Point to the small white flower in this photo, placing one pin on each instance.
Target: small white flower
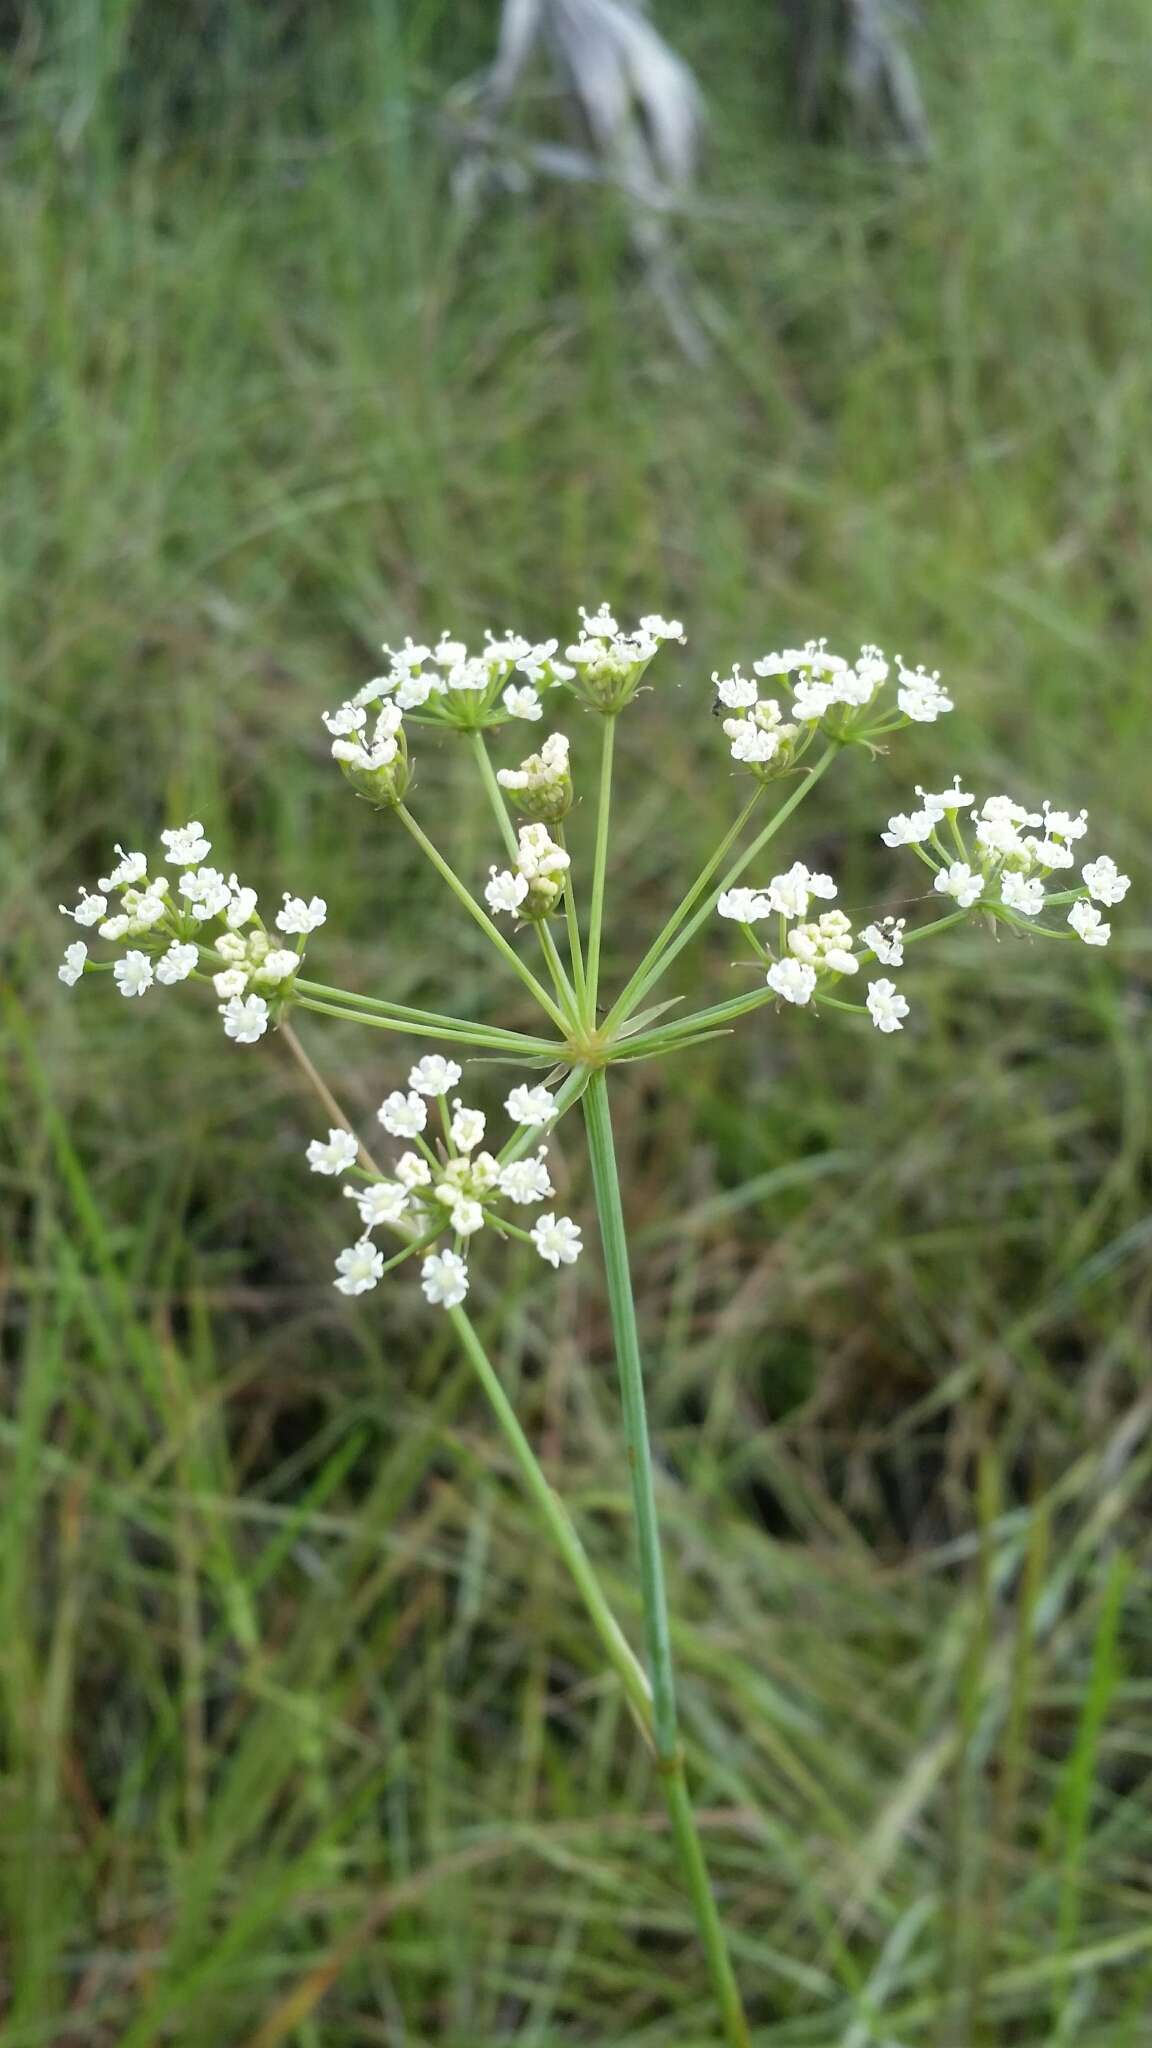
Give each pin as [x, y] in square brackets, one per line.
[1103, 879]
[505, 892]
[954, 799]
[886, 1006]
[276, 966]
[744, 906]
[345, 719]
[752, 743]
[403, 1116]
[415, 691]
[334, 1156]
[1000, 837]
[557, 1239]
[231, 947]
[1005, 810]
[133, 974]
[186, 844]
[72, 965]
[522, 701]
[1063, 824]
[147, 909]
[467, 1128]
[384, 1202]
[434, 1075]
[444, 1278]
[886, 940]
[177, 963]
[359, 1267]
[657, 628]
[958, 880]
[1088, 924]
[298, 916]
[909, 830]
[466, 1216]
[130, 868]
[1019, 892]
[245, 1018]
[789, 894]
[792, 979]
[241, 905]
[115, 927]
[88, 911]
[413, 1171]
[737, 692]
[232, 982]
[920, 696]
[531, 1106]
[207, 892]
[525, 1180]
[1051, 853]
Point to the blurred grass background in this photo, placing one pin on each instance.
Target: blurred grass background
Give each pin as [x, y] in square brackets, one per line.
[304, 1737]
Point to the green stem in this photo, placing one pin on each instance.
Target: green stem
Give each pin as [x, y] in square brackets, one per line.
[625, 1003]
[401, 1014]
[525, 1048]
[665, 1724]
[575, 949]
[778, 818]
[555, 1518]
[555, 965]
[480, 917]
[600, 864]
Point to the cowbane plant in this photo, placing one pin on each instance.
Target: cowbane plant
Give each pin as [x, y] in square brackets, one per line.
[451, 1189]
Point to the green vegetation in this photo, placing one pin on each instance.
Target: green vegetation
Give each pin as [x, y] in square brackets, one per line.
[306, 1739]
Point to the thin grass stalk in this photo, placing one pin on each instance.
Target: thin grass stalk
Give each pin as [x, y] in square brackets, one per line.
[661, 1671]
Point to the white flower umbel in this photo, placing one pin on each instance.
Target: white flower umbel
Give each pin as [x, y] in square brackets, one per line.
[886, 1006]
[185, 845]
[534, 889]
[444, 1278]
[299, 916]
[403, 1116]
[72, 965]
[133, 974]
[541, 788]
[531, 1106]
[830, 694]
[610, 664]
[794, 980]
[1104, 882]
[957, 880]
[245, 1018]
[1088, 924]
[335, 1155]
[359, 1267]
[557, 1239]
[434, 1075]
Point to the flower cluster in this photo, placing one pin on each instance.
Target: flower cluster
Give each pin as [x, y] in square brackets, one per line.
[609, 664]
[208, 925]
[447, 1186]
[541, 787]
[1003, 858]
[445, 685]
[372, 752]
[814, 953]
[829, 694]
[534, 888]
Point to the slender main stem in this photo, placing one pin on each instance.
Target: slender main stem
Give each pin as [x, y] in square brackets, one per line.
[464, 896]
[600, 864]
[665, 1723]
[540, 1491]
[555, 1518]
